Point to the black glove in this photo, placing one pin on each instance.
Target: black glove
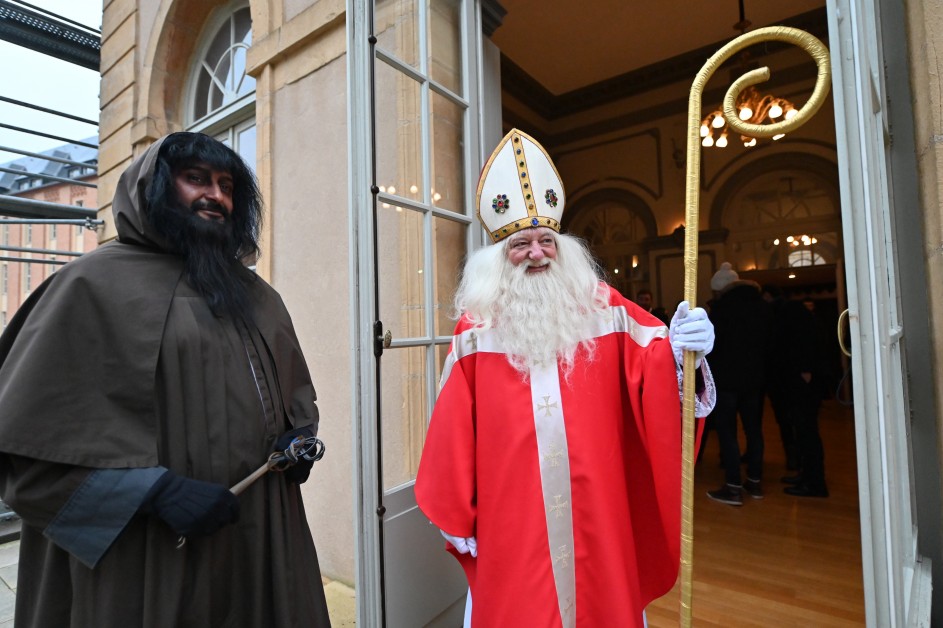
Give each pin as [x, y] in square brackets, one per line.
[297, 473]
[191, 508]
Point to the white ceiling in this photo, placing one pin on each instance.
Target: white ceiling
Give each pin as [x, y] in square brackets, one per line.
[568, 44]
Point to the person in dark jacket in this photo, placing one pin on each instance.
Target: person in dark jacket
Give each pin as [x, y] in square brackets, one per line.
[742, 322]
[646, 301]
[796, 381]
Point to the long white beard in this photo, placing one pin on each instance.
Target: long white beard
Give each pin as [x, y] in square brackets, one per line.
[538, 317]
[541, 321]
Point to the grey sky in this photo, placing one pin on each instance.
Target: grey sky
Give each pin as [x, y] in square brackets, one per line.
[48, 82]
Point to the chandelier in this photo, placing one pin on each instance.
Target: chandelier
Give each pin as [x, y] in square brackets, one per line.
[751, 106]
[800, 251]
[797, 240]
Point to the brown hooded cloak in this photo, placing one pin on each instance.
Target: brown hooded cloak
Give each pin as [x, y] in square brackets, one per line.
[115, 362]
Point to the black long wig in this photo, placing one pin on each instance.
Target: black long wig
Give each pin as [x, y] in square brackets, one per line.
[214, 253]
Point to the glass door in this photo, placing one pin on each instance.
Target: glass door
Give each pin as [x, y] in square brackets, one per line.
[425, 163]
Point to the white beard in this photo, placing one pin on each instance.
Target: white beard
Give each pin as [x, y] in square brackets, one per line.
[538, 317]
[540, 320]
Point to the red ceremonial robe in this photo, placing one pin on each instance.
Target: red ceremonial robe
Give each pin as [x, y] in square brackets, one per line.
[593, 546]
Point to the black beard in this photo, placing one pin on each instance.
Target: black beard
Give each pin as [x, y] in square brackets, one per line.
[209, 249]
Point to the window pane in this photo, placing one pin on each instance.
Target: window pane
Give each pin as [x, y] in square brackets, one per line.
[216, 98]
[242, 84]
[242, 26]
[221, 43]
[200, 107]
[399, 133]
[396, 24]
[448, 160]
[404, 413]
[445, 43]
[222, 72]
[401, 268]
[448, 249]
[245, 145]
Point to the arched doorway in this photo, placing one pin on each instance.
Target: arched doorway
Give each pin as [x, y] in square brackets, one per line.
[781, 212]
[782, 215]
[736, 553]
[615, 223]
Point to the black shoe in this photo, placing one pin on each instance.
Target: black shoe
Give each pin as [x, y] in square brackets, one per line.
[753, 489]
[804, 490]
[791, 479]
[727, 494]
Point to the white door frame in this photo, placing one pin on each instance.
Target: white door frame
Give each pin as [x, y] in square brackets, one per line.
[896, 579]
[363, 300]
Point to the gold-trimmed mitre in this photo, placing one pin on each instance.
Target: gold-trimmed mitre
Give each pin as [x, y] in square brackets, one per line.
[519, 188]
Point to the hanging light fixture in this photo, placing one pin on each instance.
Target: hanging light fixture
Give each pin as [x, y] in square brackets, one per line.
[752, 106]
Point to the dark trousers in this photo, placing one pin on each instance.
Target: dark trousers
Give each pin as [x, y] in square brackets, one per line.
[806, 400]
[750, 407]
[780, 400]
[796, 405]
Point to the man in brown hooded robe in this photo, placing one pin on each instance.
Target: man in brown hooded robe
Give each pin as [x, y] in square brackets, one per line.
[137, 384]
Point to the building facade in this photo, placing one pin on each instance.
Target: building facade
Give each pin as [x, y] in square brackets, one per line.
[51, 244]
[368, 121]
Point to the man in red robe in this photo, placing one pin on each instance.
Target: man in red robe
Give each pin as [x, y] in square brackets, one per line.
[552, 464]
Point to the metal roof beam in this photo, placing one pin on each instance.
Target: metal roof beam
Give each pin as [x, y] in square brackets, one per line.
[30, 208]
[35, 31]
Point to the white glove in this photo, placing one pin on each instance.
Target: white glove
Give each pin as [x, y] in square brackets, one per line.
[690, 330]
[464, 545]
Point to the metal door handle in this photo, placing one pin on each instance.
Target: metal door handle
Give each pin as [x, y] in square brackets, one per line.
[841, 333]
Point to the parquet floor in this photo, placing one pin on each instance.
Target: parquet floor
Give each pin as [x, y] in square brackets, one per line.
[783, 560]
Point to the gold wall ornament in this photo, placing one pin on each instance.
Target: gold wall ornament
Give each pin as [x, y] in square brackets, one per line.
[819, 53]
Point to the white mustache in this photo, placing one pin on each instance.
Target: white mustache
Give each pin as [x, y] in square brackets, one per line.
[529, 263]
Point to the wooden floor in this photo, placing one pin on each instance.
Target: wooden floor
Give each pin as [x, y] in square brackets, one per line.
[782, 560]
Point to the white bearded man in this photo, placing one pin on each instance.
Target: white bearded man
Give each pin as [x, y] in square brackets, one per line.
[552, 463]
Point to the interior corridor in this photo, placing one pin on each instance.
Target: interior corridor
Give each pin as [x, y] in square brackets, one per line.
[780, 561]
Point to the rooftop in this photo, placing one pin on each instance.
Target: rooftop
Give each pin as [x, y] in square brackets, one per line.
[36, 169]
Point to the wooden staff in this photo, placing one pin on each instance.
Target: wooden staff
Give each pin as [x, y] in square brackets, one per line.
[819, 53]
[310, 448]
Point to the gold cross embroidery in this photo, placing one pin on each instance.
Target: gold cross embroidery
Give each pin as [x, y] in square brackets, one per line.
[472, 340]
[547, 405]
[558, 506]
[562, 556]
[553, 455]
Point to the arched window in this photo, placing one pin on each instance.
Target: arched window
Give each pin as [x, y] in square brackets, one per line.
[781, 216]
[221, 96]
[805, 257]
